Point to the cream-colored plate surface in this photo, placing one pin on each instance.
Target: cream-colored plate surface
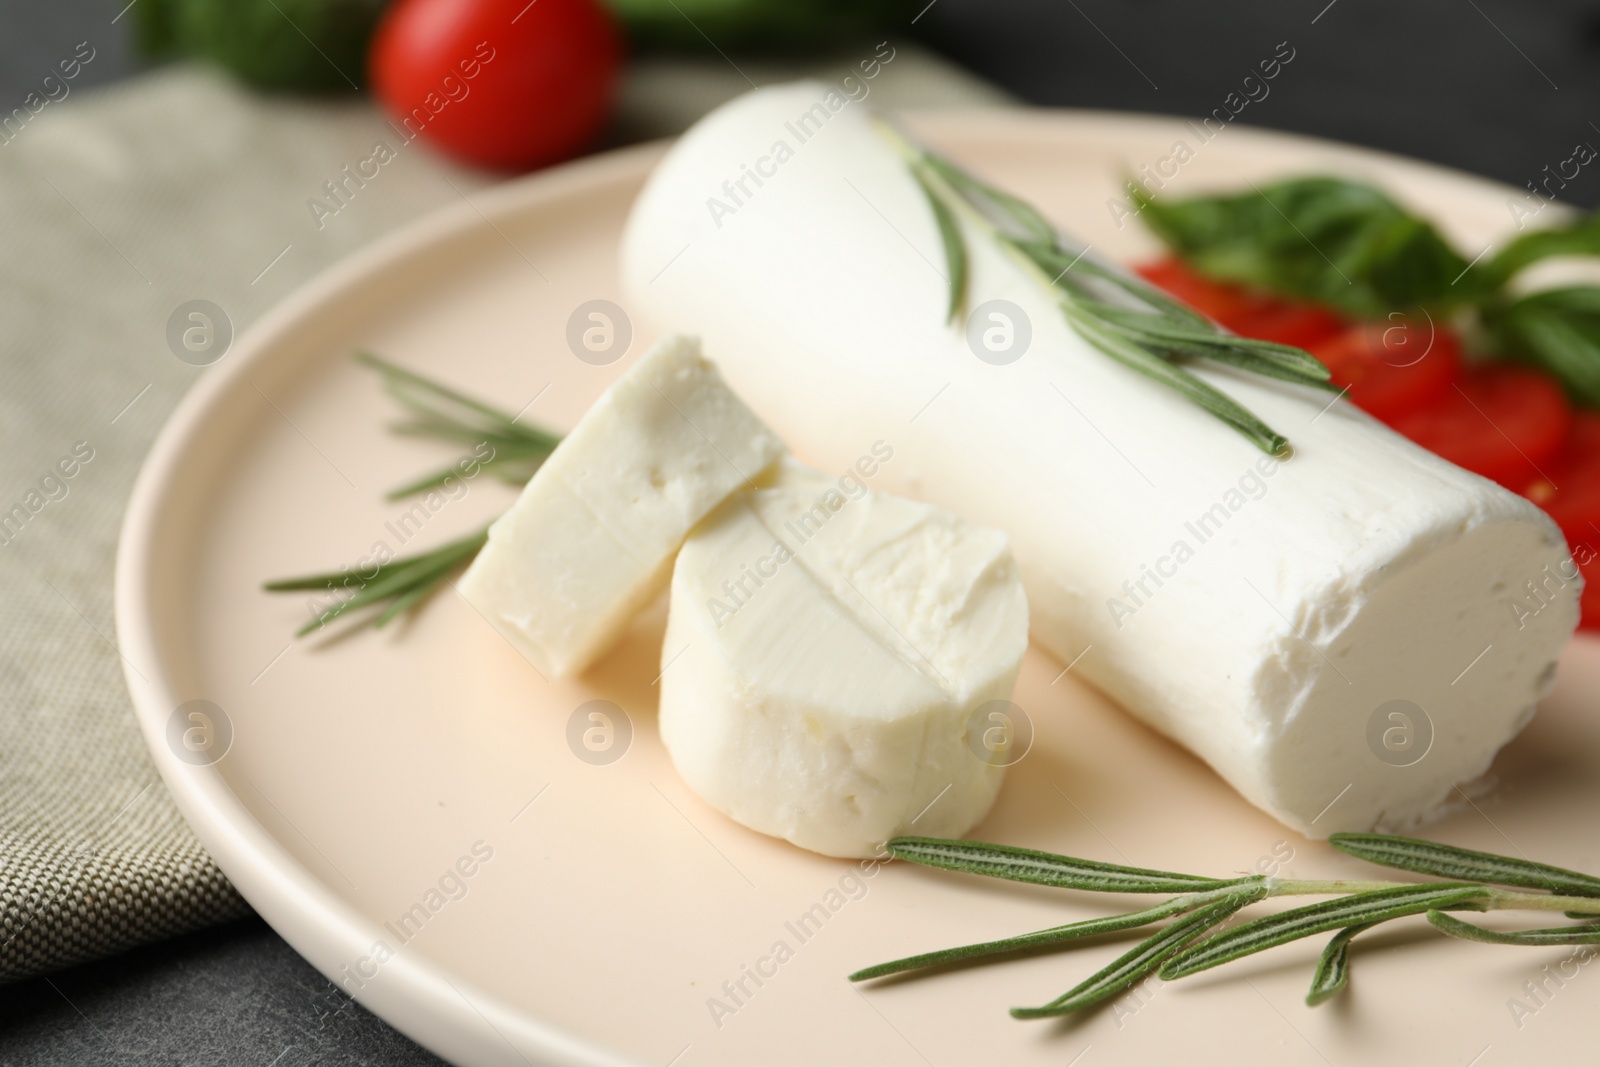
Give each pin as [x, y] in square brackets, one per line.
[613, 905]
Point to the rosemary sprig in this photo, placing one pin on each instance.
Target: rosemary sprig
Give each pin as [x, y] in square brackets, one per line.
[514, 451]
[1182, 947]
[1127, 319]
[500, 445]
[404, 582]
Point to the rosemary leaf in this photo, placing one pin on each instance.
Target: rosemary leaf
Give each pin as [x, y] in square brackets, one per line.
[1586, 934]
[1046, 868]
[405, 582]
[1208, 397]
[1205, 343]
[515, 450]
[1333, 969]
[1255, 363]
[1055, 935]
[423, 584]
[1021, 219]
[1142, 959]
[430, 398]
[1446, 861]
[1379, 905]
[955, 248]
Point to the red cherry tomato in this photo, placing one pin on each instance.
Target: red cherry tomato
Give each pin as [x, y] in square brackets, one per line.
[1301, 325]
[1392, 368]
[1225, 304]
[1569, 490]
[506, 84]
[1245, 313]
[1505, 423]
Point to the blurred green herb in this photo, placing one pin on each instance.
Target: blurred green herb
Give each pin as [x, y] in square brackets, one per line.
[1121, 315]
[1556, 329]
[514, 451]
[296, 45]
[756, 25]
[320, 46]
[499, 445]
[399, 584]
[1349, 246]
[1189, 944]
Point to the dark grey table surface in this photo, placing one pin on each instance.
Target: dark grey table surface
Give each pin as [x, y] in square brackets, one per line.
[1497, 87]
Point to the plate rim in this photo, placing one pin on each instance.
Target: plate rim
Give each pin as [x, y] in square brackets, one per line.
[423, 1000]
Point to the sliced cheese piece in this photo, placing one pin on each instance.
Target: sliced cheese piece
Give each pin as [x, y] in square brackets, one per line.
[591, 539]
[1266, 614]
[828, 652]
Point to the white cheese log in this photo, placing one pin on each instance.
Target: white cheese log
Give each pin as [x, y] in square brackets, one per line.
[830, 661]
[1263, 613]
[591, 539]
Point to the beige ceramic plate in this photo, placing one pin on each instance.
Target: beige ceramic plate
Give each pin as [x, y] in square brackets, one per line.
[606, 906]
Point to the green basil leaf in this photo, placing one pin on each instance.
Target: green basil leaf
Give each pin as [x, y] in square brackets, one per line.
[1341, 243]
[1578, 238]
[1558, 330]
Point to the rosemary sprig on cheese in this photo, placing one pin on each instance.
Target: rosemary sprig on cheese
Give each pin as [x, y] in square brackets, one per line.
[1127, 319]
[1191, 943]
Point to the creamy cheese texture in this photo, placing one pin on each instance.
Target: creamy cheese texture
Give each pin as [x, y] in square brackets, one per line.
[591, 539]
[1338, 634]
[834, 662]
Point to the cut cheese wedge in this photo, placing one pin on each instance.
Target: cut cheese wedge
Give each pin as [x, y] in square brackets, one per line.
[1275, 617]
[591, 539]
[829, 653]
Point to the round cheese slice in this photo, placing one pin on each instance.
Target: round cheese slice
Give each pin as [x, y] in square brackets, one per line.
[834, 661]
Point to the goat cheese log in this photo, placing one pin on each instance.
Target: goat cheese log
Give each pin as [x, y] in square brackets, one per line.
[1343, 635]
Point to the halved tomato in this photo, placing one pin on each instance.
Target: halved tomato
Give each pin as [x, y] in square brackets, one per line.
[1392, 368]
[1507, 423]
[1248, 314]
[1302, 325]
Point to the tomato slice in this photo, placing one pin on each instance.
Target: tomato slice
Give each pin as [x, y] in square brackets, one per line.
[1392, 368]
[1236, 307]
[1225, 304]
[1301, 325]
[1569, 491]
[1503, 422]
[1246, 313]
